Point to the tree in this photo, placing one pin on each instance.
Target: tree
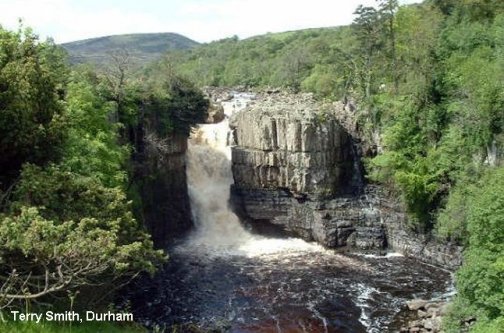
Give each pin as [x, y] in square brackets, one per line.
[479, 281]
[387, 10]
[32, 123]
[118, 86]
[65, 222]
[64, 231]
[171, 104]
[368, 29]
[293, 66]
[93, 145]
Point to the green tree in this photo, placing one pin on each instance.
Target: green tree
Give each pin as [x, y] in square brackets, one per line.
[92, 147]
[32, 123]
[171, 104]
[387, 10]
[64, 231]
[368, 30]
[479, 281]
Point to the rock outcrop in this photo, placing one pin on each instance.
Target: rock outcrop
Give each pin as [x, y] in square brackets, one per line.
[296, 166]
[426, 315]
[290, 144]
[162, 185]
[401, 238]
[215, 98]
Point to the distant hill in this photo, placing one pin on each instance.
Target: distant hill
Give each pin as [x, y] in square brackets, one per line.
[142, 48]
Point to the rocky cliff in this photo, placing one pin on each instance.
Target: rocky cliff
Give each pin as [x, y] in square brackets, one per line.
[289, 144]
[162, 185]
[296, 167]
[159, 181]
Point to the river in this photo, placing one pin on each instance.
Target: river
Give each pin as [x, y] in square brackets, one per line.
[224, 277]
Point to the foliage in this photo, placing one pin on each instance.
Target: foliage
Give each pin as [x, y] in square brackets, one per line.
[479, 281]
[31, 113]
[171, 103]
[65, 222]
[453, 115]
[64, 231]
[65, 195]
[452, 220]
[285, 59]
[92, 147]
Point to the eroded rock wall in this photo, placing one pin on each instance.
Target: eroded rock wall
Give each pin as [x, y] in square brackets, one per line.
[401, 238]
[293, 146]
[296, 166]
[162, 185]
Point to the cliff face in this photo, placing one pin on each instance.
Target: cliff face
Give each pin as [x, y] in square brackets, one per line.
[289, 144]
[162, 185]
[296, 168]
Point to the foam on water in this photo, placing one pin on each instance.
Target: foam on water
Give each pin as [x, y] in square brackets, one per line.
[387, 255]
[218, 230]
[261, 246]
[364, 294]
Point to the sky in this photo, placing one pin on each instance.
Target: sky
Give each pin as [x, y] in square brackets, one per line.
[200, 20]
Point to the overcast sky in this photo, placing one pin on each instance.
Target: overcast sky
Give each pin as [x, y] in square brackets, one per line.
[201, 20]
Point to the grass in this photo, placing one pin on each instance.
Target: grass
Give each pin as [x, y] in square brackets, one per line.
[88, 327]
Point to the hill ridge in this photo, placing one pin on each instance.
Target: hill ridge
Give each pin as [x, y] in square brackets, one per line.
[143, 47]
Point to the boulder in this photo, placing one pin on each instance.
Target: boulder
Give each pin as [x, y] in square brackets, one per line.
[416, 304]
[215, 113]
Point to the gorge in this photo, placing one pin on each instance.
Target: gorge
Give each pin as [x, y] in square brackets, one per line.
[351, 181]
[294, 177]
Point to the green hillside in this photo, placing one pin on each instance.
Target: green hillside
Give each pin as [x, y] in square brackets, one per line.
[428, 82]
[141, 48]
[276, 59]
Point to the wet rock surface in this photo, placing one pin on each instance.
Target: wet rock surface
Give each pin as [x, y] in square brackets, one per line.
[162, 183]
[426, 315]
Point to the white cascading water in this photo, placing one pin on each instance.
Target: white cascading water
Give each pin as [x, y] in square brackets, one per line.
[218, 229]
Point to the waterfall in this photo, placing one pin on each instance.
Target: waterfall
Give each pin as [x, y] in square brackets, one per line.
[224, 274]
[209, 179]
[218, 229]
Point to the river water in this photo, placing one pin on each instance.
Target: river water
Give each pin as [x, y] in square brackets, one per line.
[223, 277]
